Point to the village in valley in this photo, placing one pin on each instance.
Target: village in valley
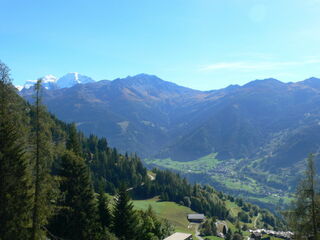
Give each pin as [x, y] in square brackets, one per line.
[234, 176]
[195, 221]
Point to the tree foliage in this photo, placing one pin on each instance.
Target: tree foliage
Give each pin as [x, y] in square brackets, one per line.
[208, 228]
[171, 187]
[77, 216]
[15, 174]
[304, 218]
[124, 217]
[42, 160]
[104, 211]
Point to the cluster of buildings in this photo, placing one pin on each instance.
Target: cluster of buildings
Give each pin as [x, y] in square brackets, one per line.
[257, 234]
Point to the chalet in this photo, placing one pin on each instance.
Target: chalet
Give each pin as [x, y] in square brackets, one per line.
[198, 218]
[179, 236]
[222, 228]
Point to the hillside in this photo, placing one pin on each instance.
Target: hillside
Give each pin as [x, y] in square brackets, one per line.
[177, 215]
[135, 113]
[174, 213]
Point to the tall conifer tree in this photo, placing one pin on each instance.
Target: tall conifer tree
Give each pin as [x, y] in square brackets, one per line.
[104, 211]
[15, 199]
[43, 184]
[303, 218]
[124, 217]
[73, 142]
[78, 215]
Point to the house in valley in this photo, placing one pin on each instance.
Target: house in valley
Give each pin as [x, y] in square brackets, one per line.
[197, 218]
[222, 228]
[179, 236]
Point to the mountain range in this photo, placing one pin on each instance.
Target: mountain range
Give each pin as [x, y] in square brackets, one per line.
[267, 125]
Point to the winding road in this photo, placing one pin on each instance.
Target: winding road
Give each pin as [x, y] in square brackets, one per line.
[255, 221]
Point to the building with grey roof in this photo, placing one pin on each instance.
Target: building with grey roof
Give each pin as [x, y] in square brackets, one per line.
[196, 217]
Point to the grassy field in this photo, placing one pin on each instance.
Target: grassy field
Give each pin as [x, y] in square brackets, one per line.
[248, 184]
[174, 213]
[177, 214]
[234, 210]
[200, 165]
[271, 238]
[213, 238]
[233, 207]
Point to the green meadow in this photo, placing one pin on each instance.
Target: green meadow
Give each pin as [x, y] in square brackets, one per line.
[200, 165]
[174, 213]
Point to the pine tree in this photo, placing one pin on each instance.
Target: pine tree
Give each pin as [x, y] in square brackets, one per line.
[15, 200]
[229, 235]
[104, 211]
[43, 184]
[73, 142]
[124, 219]
[303, 216]
[77, 217]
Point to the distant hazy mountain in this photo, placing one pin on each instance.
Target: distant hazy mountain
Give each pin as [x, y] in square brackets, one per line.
[264, 118]
[51, 82]
[279, 122]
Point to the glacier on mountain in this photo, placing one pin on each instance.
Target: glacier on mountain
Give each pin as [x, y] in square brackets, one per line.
[51, 82]
[72, 79]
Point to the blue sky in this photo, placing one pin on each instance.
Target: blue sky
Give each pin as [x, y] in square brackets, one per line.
[202, 44]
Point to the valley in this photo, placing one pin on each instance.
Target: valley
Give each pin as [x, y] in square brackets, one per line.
[234, 177]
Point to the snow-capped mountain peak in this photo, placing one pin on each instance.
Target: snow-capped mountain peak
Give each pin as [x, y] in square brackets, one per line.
[19, 87]
[48, 82]
[29, 84]
[66, 81]
[49, 78]
[72, 79]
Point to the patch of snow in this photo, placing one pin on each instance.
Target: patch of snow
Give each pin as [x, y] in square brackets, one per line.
[19, 87]
[123, 125]
[51, 82]
[72, 79]
[29, 84]
[49, 78]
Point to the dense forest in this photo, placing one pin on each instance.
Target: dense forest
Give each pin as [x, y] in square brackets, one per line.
[54, 181]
